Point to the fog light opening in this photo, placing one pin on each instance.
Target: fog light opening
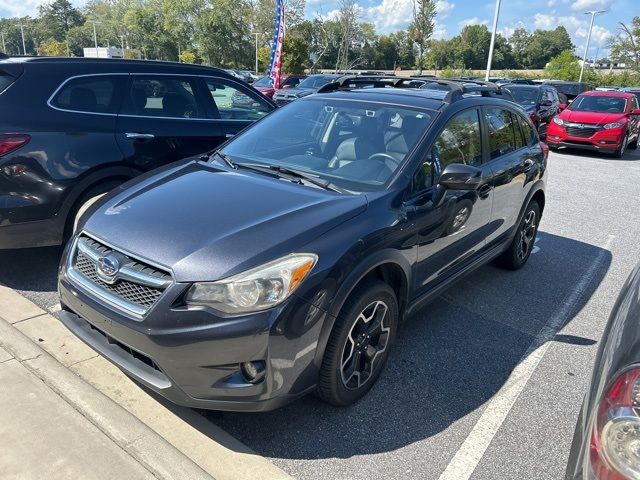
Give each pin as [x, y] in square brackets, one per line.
[253, 372]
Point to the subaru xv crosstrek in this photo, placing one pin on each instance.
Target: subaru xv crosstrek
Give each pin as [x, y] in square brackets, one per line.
[283, 264]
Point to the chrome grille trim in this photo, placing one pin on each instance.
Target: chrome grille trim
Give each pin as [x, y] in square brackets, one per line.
[136, 288]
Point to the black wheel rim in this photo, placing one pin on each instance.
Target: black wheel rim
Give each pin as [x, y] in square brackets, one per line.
[527, 234]
[365, 344]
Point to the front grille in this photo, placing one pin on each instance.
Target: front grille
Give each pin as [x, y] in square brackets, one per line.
[584, 132]
[142, 286]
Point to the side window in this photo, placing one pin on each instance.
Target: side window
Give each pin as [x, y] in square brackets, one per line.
[93, 94]
[550, 96]
[501, 132]
[163, 96]
[527, 130]
[634, 103]
[521, 135]
[234, 103]
[293, 81]
[459, 141]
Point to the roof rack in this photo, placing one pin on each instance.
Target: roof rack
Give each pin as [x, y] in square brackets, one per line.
[455, 88]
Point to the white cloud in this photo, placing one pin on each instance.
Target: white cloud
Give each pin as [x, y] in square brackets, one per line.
[580, 5]
[390, 15]
[551, 3]
[444, 8]
[19, 8]
[472, 21]
[547, 22]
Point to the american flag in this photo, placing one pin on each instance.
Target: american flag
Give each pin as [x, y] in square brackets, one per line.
[275, 64]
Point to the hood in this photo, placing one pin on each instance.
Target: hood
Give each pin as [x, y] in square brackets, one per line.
[206, 223]
[296, 92]
[599, 118]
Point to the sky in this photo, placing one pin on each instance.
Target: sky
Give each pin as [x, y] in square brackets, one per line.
[392, 15]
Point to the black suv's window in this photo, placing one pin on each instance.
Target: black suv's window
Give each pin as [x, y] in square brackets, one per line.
[233, 103]
[92, 94]
[459, 141]
[163, 96]
[501, 132]
[527, 130]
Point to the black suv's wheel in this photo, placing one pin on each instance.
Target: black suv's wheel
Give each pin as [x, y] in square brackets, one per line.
[634, 145]
[359, 344]
[518, 252]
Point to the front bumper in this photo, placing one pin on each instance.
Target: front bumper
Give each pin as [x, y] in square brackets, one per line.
[192, 356]
[602, 140]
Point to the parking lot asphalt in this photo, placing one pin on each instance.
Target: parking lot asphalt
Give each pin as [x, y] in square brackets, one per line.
[485, 382]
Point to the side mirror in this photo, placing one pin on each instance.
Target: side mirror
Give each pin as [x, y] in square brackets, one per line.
[635, 111]
[457, 176]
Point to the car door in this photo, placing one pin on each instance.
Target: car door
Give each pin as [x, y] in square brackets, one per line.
[634, 120]
[513, 161]
[451, 226]
[234, 105]
[548, 107]
[163, 119]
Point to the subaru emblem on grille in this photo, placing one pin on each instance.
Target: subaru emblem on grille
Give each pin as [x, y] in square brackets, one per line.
[108, 268]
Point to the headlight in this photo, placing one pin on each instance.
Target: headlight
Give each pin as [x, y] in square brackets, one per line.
[257, 289]
[609, 126]
[558, 121]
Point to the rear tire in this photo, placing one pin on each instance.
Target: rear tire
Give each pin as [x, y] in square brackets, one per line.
[359, 344]
[521, 246]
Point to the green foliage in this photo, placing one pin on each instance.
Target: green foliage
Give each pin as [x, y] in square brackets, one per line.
[187, 56]
[57, 18]
[53, 48]
[296, 54]
[421, 28]
[563, 67]
[625, 46]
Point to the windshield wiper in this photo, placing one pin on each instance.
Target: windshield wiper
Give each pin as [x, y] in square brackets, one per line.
[285, 172]
[223, 156]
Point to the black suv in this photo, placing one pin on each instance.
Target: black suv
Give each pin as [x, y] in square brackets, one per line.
[284, 263]
[73, 129]
[541, 102]
[567, 91]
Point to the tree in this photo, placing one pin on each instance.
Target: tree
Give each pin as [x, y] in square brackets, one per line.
[563, 67]
[187, 56]
[223, 33]
[519, 40]
[57, 18]
[421, 28]
[348, 14]
[543, 45]
[295, 54]
[53, 48]
[625, 46]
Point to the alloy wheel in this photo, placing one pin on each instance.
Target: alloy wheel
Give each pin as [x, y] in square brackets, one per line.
[527, 234]
[460, 218]
[367, 340]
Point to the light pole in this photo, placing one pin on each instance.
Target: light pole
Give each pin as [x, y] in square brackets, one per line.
[95, 36]
[593, 14]
[257, 35]
[24, 48]
[493, 40]
[4, 47]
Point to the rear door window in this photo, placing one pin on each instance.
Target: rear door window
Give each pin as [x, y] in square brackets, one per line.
[501, 132]
[163, 96]
[90, 94]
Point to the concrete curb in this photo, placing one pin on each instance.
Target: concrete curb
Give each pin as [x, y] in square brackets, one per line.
[148, 448]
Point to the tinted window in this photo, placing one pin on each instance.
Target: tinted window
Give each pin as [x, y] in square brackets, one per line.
[263, 82]
[293, 81]
[459, 141]
[317, 81]
[163, 96]
[232, 103]
[527, 130]
[520, 133]
[93, 94]
[550, 96]
[524, 96]
[501, 132]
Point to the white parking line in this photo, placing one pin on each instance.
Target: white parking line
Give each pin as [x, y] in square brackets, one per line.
[466, 459]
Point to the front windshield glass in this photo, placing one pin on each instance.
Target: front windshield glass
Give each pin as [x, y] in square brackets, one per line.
[587, 103]
[316, 81]
[524, 96]
[354, 145]
[263, 82]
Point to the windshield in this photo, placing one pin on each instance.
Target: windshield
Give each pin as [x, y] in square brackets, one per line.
[572, 89]
[354, 145]
[587, 103]
[524, 96]
[316, 81]
[263, 82]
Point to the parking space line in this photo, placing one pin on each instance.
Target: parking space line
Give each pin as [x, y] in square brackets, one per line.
[466, 459]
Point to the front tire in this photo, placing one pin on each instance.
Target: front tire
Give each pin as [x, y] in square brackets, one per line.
[521, 246]
[619, 153]
[359, 344]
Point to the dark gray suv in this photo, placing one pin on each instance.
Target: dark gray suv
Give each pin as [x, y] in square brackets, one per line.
[283, 263]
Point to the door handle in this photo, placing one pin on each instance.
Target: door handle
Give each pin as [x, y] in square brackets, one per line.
[527, 165]
[139, 136]
[485, 190]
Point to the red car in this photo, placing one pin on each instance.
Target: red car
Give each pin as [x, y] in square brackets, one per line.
[265, 84]
[603, 121]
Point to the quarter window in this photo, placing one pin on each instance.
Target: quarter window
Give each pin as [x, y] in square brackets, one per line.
[233, 103]
[501, 132]
[93, 94]
[163, 96]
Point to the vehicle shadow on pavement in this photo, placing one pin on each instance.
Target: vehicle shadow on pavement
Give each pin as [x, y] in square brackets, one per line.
[629, 156]
[448, 360]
